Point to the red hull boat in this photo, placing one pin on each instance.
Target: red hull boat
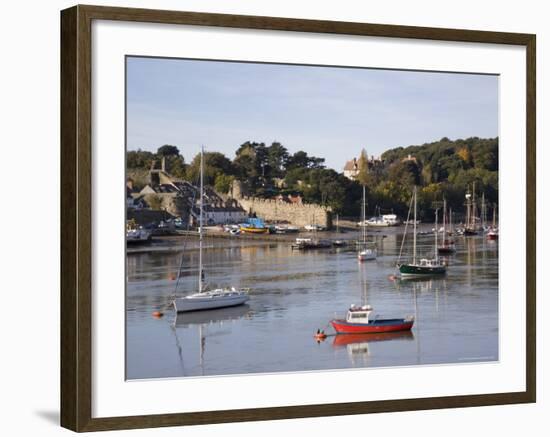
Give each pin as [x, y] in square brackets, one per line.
[377, 326]
[357, 322]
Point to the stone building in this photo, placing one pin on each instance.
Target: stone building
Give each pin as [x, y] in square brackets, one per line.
[352, 167]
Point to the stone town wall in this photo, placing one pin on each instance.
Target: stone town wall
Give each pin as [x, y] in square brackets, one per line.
[296, 214]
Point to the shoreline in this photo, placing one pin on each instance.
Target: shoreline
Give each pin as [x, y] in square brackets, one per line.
[174, 242]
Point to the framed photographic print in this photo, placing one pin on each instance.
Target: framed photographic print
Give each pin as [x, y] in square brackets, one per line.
[268, 218]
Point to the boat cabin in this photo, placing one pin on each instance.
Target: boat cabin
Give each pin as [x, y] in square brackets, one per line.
[430, 263]
[359, 314]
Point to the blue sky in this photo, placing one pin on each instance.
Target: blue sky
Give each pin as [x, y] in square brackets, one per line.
[327, 112]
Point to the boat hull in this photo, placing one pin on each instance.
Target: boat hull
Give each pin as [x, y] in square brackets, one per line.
[254, 230]
[446, 250]
[412, 270]
[366, 256]
[184, 304]
[376, 327]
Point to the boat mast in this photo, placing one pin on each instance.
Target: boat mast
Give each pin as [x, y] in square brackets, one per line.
[200, 219]
[436, 232]
[483, 210]
[363, 213]
[468, 201]
[444, 219]
[474, 207]
[414, 228]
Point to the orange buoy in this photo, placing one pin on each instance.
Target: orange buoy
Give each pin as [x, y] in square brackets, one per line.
[320, 335]
[157, 314]
[172, 277]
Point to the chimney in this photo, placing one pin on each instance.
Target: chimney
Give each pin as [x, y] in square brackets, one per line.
[154, 178]
[163, 164]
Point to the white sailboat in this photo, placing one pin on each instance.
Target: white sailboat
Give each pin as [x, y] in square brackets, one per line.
[366, 253]
[205, 298]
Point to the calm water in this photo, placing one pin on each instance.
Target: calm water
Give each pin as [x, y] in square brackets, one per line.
[293, 294]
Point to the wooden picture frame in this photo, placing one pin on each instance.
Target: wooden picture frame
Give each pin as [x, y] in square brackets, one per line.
[76, 218]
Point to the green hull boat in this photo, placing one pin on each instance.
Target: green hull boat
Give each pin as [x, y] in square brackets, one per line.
[421, 270]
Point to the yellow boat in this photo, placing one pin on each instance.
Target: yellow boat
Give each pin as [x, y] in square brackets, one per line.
[254, 230]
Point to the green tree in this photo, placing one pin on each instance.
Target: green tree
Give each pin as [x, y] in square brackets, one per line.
[215, 163]
[139, 159]
[301, 159]
[363, 167]
[168, 150]
[277, 157]
[406, 173]
[223, 183]
[175, 165]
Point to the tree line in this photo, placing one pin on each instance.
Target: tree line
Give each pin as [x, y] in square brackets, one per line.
[441, 169]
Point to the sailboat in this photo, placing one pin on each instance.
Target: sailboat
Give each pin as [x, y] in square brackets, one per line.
[424, 267]
[205, 298]
[366, 253]
[470, 227]
[448, 245]
[493, 231]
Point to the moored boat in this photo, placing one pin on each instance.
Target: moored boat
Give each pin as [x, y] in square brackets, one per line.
[365, 253]
[211, 299]
[254, 227]
[314, 228]
[381, 221]
[447, 248]
[339, 243]
[136, 234]
[448, 245]
[493, 230]
[309, 243]
[205, 298]
[358, 321]
[286, 229]
[426, 267]
[471, 226]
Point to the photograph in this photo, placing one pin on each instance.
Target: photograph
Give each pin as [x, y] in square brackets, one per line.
[299, 218]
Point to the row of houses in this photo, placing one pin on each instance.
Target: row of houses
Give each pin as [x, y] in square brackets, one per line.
[181, 199]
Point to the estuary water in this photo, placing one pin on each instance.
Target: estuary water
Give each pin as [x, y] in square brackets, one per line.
[294, 293]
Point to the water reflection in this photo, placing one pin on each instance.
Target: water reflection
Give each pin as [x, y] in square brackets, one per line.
[185, 320]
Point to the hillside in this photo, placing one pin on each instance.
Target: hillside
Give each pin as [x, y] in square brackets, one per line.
[441, 169]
